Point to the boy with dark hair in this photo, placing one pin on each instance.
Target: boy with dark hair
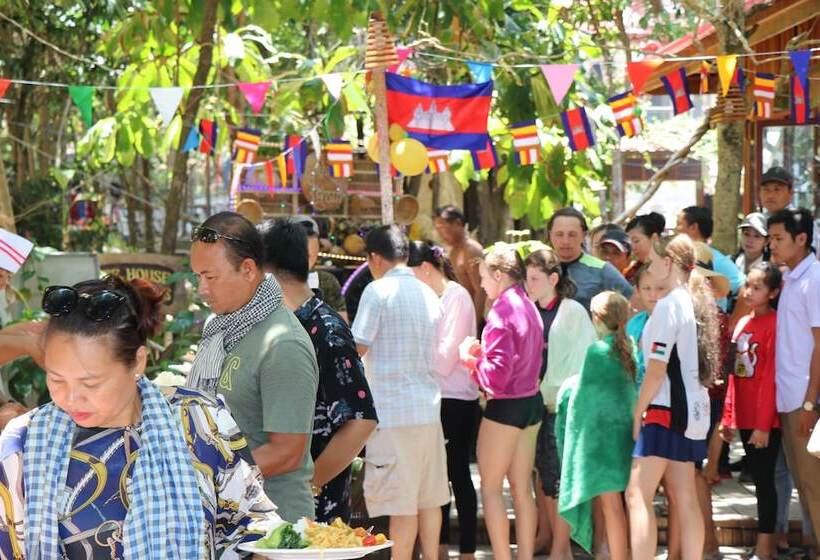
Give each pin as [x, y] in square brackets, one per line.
[464, 253]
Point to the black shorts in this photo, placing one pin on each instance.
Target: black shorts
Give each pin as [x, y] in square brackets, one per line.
[521, 413]
[546, 457]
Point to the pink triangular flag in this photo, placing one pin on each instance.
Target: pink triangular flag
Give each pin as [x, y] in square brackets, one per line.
[403, 53]
[4, 85]
[255, 93]
[560, 78]
[334, 84]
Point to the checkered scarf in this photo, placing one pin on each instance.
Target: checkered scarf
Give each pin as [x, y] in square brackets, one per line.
[223, 332]
[165, 519]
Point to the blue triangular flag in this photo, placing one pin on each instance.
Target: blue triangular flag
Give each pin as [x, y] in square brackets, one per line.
[192, 142]
[480, 71]
[800, 61]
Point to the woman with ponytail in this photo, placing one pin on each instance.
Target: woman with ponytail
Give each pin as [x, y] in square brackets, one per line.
[594, 428]
[113, 467]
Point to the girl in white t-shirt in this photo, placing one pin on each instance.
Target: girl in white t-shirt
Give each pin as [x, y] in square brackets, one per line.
[671, 417]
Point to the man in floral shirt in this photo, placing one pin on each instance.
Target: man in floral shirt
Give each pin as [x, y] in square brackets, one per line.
[345, 415]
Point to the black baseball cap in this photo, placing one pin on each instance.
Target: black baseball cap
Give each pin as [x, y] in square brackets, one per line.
[777, 174]
[619, 239]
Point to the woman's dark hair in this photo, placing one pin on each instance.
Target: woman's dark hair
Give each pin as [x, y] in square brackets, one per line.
[246, 243]
[648, 224]
[795, 221]
[389, 242]
[701, 216]
[568, 212]
[547, 262]
[286, 247]
[426, 252]
[129, 326]
[772, 277]
[451, 214]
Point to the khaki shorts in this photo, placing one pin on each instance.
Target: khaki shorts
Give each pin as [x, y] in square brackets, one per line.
[405, 470]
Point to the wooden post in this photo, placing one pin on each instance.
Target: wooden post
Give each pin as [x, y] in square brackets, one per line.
[385, 177]
[618, 192]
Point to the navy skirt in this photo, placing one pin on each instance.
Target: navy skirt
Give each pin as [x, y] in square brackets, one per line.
[655, 440]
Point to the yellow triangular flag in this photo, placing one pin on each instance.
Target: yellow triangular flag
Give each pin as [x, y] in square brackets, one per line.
[283, 169]
[726, 65]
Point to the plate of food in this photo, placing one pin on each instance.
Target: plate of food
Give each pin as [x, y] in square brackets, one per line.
[318, 541]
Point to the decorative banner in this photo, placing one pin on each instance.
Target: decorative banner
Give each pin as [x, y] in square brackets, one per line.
[339, 158]
[704, 77]
[438, 161]
[82, 96]
[480, 71]
[334, 84]
[800, 101]
[726, 65]
[295, 155]
[800, 61]
[628, 121]
[486, 158]
[166, 100]
[403, 53]
[739, 79]
[14, 250]
[678, 89]
[578, 129]
[763, 94]
[283, 169]
[246, 144]
[192, 142]
[447, 117]
[559, 77]
[207, 130]
[526, 143]
[255, 93]
[4, 85]
[639, 72]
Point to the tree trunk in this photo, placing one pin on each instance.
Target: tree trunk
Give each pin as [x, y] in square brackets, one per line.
[730, 140]
[6, 209]
[129, 189]
[143, 174]
[495, 214]
[180, 171]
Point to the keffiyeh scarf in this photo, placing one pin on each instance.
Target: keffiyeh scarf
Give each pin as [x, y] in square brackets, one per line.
[165, 518]
[223, 332]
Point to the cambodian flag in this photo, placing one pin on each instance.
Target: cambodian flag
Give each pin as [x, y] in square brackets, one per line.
[486, 158]
[578, 129]
[677, 87]
[801, 112]
[444, 117]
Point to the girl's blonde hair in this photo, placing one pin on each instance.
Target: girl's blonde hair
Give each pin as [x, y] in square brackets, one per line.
[612, 309]
[504, 258]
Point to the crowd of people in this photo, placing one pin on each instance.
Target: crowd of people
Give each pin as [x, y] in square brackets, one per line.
[587, 381]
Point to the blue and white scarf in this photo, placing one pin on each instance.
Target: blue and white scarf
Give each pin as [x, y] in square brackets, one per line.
[165, 519]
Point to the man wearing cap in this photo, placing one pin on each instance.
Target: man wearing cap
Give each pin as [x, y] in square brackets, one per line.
[329, 288]
[776, 193]
[753, 240]
[616, 249]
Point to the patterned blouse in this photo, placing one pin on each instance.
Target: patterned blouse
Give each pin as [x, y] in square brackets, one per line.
[343, 395]
[99, 476]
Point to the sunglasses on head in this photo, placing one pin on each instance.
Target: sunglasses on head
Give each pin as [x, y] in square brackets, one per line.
[100, 306]
[210, 235]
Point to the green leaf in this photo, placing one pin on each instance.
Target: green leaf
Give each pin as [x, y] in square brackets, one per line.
[464, 172]
[355, 97]
[339, 55]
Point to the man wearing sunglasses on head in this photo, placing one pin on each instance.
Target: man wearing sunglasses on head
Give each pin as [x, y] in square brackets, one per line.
[256, 354]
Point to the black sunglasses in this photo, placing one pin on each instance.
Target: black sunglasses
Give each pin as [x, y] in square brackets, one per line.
[100, 306]
[210, 235]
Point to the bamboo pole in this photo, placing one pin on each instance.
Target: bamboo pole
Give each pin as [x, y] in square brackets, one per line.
[385, 180]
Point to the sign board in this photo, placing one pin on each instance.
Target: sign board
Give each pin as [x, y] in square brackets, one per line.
[147, 266]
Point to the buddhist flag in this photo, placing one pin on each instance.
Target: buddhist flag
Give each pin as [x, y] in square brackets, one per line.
[246, 144]
[438, 161]
[526, 143]
[800, 101]
[207, 133]
[486, 158]
[339, 158]
[763, 94]
[704, 77]
[677, 87]
[578, 129]
[628, 121]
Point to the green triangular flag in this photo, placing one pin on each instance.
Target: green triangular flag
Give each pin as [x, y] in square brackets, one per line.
[82, 96]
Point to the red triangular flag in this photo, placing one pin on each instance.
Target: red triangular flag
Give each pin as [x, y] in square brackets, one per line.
[4, 85]
[639, 72]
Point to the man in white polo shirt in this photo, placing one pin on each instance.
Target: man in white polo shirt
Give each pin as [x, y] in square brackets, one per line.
[797, 355]
[405, 459]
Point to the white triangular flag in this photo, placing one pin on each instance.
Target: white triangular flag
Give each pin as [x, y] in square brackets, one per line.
[334, 83]
[13, 251]
[166, 100]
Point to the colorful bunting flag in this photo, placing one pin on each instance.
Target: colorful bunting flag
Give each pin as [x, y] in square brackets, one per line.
[269, 176]
[438, 161]
[726, 66]
[480, 71]
[167, 101]
[295, 154]
[4, 85]
[255, 93]
[334, 83]
[207, 131]
[83, 96]
[800, 61]
[639, 72]
[800, 108]
[526, 143]
[486, 158]
[578, 129]
[246, 144]
[192, 141]
[624, 106]
[559, 78]
[283, 169]
[677, 87]
[763, 94]
[403, 53]
[739, 79]
[704, 77]
[339, 158]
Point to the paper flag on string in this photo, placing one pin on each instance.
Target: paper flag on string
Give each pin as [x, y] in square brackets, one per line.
[704, 77]
[166, 100]
[526, 143]
[339, 158]
[207, 131]
[739, 79]
[800, 109]
[639, 72]
[579, 131]
[246, 144]
[14, 250]
[486, 158]
[334, 83]
[438, 161]
[800, 61]
[83, 96]
[560, 78]
[254, 93]
[403, 53]
[624, 106]
[480, 71]
[4, 85]
[726, 65]
[763, 94]
[269, 176]
[677, 87]
[192, 142]
[283, 169]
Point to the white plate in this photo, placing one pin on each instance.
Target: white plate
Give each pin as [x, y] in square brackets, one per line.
[314, 553]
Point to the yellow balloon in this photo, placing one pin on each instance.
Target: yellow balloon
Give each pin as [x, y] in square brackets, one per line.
[373, 148]
[396, 132]
[409, 156]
